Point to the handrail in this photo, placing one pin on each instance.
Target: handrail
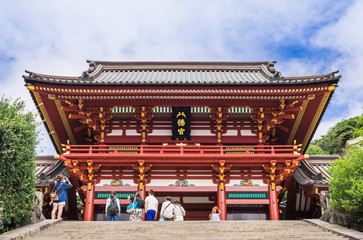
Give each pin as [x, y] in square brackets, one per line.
[180, 150]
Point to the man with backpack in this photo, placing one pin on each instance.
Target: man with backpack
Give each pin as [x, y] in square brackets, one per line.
[113, 209]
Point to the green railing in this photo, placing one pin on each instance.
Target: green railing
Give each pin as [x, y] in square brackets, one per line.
[123, 148]
[239, 148]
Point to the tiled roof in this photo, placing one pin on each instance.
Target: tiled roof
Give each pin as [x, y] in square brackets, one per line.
[49, 167]
[179, 73]
[313, 170]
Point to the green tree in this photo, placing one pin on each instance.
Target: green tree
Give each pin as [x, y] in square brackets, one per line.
[18, 139]
[333, 142]
[347, 180]
[315, 150]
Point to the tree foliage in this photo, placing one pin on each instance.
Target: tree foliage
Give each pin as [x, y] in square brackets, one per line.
[347, 180]
[333, 142]
[18, 139]
[315, 150]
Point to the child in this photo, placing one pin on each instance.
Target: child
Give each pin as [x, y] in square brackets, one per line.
[215, 214]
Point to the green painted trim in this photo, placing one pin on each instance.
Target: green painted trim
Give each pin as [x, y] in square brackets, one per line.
[120, 195]
[247, 195]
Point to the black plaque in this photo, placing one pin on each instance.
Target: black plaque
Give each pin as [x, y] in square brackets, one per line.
[181, 123]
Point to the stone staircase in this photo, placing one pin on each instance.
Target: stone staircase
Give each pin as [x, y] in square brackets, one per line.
[247, 230]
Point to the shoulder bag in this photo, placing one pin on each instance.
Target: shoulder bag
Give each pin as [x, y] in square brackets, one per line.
[164, 210]
[54, 196]
[132, 207]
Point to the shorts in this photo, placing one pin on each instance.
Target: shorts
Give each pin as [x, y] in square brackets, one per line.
[59, 203]
[150, 215]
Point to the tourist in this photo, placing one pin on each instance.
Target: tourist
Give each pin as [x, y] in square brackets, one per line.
[215, 214]
[151, 206]
[113, 209]
[167, 210]
[138, 213]
[60, 188]
[179, 211]
[133, 210]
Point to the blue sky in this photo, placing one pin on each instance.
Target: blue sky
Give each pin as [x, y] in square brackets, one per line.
[305, 37]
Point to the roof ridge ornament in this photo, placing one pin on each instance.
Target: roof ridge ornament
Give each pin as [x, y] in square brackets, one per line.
[31, 74]
[332, 74]
[277, 76]
[85, 76]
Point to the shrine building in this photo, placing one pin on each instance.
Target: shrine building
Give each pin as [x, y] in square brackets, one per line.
[231, 134]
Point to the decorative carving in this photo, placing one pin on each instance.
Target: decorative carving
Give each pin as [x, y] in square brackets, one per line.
[246, 183]
[116, 183]
[182, 183]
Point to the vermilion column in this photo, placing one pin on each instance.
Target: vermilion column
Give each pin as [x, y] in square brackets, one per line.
[141, 188]
[221, 198]
[273, 203]
[89, 206]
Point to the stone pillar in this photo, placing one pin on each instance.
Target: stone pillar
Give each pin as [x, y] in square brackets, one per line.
[221, 198]
[273, 203]
[89, 206]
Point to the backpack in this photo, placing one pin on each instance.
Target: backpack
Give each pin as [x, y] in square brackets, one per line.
[140, 203]
[113, 208]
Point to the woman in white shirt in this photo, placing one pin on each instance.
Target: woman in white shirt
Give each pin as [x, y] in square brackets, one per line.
[179, 211]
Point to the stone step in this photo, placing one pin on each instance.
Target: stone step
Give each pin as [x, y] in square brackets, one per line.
[201, 230]
[196, 238]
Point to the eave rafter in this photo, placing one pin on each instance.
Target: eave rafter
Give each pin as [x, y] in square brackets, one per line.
[272, 118]
[94, 119]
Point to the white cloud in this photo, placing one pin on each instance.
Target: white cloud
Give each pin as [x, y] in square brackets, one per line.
[56, 37]
[345, 37]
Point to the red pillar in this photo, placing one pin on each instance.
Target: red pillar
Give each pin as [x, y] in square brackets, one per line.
[142, 189]
[221, 198]
[273, 203]
[89, 206]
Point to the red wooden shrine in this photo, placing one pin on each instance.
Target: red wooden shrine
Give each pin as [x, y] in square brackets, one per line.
[232, 120]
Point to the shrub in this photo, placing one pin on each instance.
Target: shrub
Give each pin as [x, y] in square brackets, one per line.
[18, 139]
[347, 180]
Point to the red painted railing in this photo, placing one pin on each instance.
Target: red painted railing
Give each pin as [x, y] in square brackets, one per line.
[174, 150]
